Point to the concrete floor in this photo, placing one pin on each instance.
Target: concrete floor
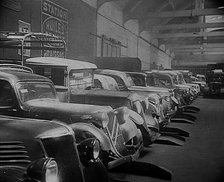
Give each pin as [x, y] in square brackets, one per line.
[201, 158]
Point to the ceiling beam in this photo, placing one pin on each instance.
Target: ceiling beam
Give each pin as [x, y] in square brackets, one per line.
[192, 34]
[200, 53]
[185, 13]
[146, 23]
[183, 41]
[200, 50]
[195, 46]
[188, 26]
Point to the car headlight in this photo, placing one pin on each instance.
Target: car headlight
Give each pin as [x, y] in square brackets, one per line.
[89, 149]
[45, 169]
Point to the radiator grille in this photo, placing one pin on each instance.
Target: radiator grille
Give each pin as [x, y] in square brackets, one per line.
[13, 152]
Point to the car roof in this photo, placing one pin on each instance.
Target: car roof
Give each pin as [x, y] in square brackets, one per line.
[17, 76]
[112, 72]
[53, 61]
[136, 73]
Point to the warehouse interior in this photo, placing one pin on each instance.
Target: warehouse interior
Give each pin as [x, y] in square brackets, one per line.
[137, 36]
[163, 33]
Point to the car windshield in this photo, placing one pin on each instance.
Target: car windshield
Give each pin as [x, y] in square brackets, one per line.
[175, 79]
[162, 81]
[201, 79]
[80, 80]
[138, 79]
[35, 90]
[130, 81]
[181, 78]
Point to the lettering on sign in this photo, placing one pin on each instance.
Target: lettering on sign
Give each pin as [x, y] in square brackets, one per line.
[54, 20]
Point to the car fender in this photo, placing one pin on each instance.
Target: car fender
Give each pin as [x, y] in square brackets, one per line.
[12, 173]
[99, 134]
[127, 119]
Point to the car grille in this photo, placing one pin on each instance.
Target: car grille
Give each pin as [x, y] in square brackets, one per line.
[13, 152]
[63, 150]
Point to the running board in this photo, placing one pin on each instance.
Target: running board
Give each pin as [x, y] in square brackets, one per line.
[181, 120]
[169, 140]
[142, 169]
[177, 131]
[185, 115]
[190, 108]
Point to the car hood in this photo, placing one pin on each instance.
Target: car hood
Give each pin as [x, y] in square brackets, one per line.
[150, 89]
[200, 83]
[183, 86]
[66, 112]
[109, 93]
[26, 129]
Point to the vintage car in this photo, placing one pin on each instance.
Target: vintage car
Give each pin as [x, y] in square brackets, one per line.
[215, 82]
[188, 93]
[46, 151]
[77, 77]
[78, 80]
[140, 79]
[126, 83]
[150, 111]
[182, 77]
[157, 104]
[25, 94]
[105, 82]
[200, 80]
[169, 80]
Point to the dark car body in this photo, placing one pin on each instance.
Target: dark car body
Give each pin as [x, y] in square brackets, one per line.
[126, 83]
[141, 79]
[79, 81]
[26, 145]
[34, 96]
[166, 79]
[215, 82]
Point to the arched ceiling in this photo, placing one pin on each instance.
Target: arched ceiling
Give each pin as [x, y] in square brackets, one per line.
[180, 25]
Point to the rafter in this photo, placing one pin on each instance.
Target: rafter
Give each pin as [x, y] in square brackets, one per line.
[193, 34]
[188, 26]
[200, 50]
[147, 22]
[195, 46]
[200, 53]
[185, 13]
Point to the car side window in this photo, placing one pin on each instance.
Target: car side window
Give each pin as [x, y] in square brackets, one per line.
[6, 93]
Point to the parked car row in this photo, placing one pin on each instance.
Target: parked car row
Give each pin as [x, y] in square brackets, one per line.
[58, 117]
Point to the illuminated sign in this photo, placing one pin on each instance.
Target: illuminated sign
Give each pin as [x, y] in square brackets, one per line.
[54, 20]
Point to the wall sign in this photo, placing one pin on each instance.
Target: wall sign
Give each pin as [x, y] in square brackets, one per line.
[54, 21]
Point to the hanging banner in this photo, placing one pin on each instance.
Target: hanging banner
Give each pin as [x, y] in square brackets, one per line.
[54, 21]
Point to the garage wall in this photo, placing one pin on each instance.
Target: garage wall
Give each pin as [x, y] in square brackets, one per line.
[81, 22]
[110, 23]
[85, 27]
